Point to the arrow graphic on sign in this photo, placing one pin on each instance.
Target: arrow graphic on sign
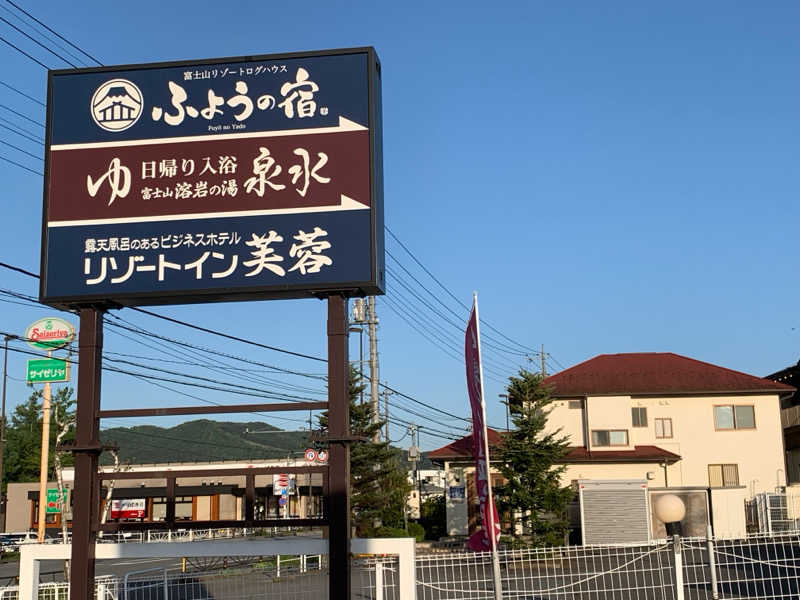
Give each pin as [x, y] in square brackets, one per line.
[346, 204]
[323, 169]
[344, 125]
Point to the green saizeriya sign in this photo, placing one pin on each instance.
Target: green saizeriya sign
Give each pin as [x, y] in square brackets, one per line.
[53, 506]
[43, 370]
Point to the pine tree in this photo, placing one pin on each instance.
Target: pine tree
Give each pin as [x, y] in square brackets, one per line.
[529, 456]
[378, 482]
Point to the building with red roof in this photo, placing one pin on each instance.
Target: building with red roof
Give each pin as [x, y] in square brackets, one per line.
[658, 417]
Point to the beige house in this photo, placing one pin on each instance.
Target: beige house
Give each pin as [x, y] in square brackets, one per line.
[724, 425]
[668, 420]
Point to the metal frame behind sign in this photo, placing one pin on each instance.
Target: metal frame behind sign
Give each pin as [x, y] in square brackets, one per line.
[108, 250]
[87, 448]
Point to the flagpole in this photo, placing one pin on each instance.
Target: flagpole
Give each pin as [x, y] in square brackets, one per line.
[498, 586]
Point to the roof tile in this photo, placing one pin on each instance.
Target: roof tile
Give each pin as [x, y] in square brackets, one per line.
[461, 449]
[654, 373]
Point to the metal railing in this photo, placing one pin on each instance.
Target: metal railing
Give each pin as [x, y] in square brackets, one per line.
[760, 567]
[764, 567]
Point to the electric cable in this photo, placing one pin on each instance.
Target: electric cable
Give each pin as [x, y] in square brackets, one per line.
[21, 93]
[21, 51]
[37, 42]
[29, 15]
[8, 160]
[19, 114]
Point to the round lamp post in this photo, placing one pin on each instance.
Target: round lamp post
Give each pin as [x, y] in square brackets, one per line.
[671, 510]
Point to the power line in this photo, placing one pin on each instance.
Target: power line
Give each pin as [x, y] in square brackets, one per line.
[448, 349]
[8, 160]
[449, 293]
[37, 42]
[234, 386]
[449, 338]
[44, 36]
[487, 340]
[28, 135]
[20, 149]
[21, 51]
[19, 114]
[78, 48]
[253, 374]
[12, 88]
[208, 350]
[227, 336]
[19, 270]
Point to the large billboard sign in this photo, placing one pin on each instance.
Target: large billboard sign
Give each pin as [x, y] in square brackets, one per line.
[243, 178]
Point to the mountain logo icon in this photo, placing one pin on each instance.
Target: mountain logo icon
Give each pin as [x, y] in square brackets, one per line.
[116, 105]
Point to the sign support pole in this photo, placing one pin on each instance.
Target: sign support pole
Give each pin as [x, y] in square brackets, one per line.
[44, 459]
[86, 491]
[339, 580]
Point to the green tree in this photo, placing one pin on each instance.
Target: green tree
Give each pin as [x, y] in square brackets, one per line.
[433, 517]
[23, 443]
[378, 483]
[529, 458]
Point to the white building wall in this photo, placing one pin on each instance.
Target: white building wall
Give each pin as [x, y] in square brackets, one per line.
[758, 453]
[609, 412]
[567, 415]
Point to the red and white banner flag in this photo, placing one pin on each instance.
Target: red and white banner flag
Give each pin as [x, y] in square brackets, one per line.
[480, 540]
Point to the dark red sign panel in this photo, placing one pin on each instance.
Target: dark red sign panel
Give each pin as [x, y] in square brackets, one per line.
[210, 176]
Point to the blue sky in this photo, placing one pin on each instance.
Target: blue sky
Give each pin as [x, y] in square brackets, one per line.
[610, 177]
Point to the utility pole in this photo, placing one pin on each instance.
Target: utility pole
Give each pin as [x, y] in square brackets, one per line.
[3, 426]
[414, 455]
[508, 424]
[544, 366]
[386, 411]
[45, 458]
[373, 362]
[419, 479]
[359, 319]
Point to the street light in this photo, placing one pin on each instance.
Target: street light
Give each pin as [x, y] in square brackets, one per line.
[670, 509]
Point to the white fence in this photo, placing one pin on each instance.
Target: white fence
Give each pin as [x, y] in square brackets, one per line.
[384, 569]
[758, 567]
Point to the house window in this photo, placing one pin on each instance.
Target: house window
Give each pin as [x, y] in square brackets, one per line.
[610, 437]
[731, 416]
[663, 428]
[723, 475]
[639, 415]
[575, 404]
